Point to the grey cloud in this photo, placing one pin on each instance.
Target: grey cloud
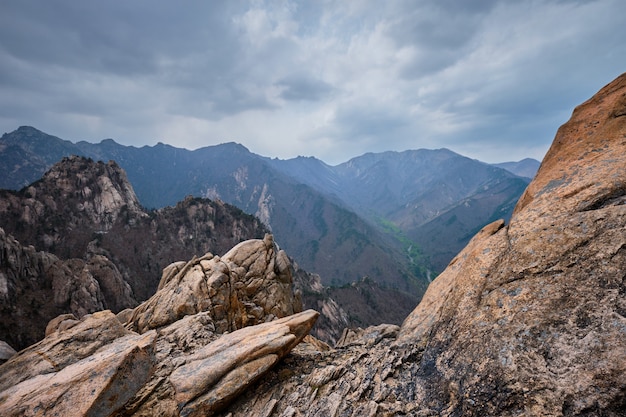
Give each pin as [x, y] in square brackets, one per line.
[371, 123]
[193, 49]
[437, 31]
[363, 76]
[433, 28]
[301, 87]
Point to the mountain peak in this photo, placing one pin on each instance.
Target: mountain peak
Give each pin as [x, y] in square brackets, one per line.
[109, 141]
[100, 190]
[234, 146]
[29, 134]
[28, 129]
[527, 167]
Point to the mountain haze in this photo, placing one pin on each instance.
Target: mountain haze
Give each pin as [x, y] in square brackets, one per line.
[433, 199]
[525, 168]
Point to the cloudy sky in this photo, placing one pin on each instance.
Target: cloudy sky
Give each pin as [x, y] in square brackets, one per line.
[490, 79]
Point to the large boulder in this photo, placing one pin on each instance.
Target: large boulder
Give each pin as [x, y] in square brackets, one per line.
[91, 368]
[250, 284]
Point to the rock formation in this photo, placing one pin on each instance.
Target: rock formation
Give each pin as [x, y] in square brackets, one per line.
[37, 286]
[214, 326]
[250, 284]
[81, 208]
[333, 318]
[77, 241]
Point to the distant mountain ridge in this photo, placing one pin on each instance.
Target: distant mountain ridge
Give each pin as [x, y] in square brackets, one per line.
[395, 217]
[527, 167]
[436, 198]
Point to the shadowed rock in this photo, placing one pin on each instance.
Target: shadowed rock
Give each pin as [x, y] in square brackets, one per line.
[6, 351]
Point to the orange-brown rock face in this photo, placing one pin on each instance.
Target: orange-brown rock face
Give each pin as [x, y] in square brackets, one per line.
[531, 317]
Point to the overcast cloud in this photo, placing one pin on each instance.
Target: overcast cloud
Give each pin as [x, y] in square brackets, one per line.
[490, 79]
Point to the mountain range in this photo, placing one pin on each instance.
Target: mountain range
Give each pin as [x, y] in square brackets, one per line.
[395, 217]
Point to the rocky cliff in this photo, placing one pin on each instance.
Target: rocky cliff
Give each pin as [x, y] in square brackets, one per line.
[82, 207]
[38, 286]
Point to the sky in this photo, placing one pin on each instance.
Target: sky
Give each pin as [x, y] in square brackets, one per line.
[489, 79]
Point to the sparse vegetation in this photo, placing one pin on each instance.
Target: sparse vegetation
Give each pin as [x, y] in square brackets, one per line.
[417, 260]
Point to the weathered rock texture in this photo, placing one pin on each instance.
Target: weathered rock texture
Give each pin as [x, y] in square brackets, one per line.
[98, 368]
[178, 361]
[251, 284]
[529, 319]
[91, 369]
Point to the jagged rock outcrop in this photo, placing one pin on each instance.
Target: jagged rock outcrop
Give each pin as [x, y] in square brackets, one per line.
[36, 286]
[179, 361]
[250, 284]
[333, 319]
[97, 367]
[529, 319]
[81, 208]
